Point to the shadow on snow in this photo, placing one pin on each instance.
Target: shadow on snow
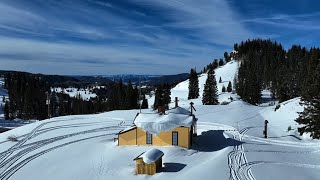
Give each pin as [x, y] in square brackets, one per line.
[213, 140]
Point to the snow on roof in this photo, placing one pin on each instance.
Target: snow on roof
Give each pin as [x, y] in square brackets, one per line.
[155, 123]
[179, 110]
[127, 129]
[151, 155]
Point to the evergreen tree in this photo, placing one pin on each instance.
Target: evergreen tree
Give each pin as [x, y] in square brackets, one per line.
[226, 57]
[235, 47]
[131, 97]
[210, 92]
[221, 63]
[310, 117]
[144, 104]
[193, 85]
[166, 95]
[215, 64]
[6, 111]
[223, 89]
[229, 88]
[220, 80]
[158, 101]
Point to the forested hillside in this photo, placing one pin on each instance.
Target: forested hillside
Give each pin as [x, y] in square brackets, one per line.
[266, 64]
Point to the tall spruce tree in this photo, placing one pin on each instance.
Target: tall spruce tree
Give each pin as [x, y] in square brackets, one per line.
[223, 88]
[166, 95]
[193, 85]
[210, 92]
[144, 104]
[310, 117]
[226, 57]
[229, 88]
[6, 111]
[221, 63]
[158, 101]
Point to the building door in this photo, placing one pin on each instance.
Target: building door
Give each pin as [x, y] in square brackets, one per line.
[148, 138]
[175, 138]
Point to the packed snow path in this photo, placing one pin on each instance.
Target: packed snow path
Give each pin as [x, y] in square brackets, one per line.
[21, 153]
[237, 159]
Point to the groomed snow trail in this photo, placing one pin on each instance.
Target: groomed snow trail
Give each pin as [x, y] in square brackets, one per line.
[237, 159]
[18, 155]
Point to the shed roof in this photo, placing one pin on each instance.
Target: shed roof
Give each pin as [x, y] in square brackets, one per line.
[150, 156]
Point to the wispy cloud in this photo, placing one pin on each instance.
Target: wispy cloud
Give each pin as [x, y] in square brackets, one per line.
[296, 21]
[133, 36]
[161, 37]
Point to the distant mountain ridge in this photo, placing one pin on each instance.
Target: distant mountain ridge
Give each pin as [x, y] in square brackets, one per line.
[81, 81]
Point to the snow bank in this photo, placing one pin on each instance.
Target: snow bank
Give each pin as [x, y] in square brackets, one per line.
[151, 156]
[155, 123]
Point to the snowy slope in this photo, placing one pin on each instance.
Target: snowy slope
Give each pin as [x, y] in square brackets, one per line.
[85, 94]
[229, 145]
[226, 72]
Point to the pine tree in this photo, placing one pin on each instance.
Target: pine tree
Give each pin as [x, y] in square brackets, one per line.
[158, 101]
[226, 57]
[144, 104]
[210, 92]
[6, 111]
[235, 47]
[223, 89]
[229, 88]
[215, 64]
[221, 63]
[310, 117]
[193, 85]
[220, 80]
[166, 95]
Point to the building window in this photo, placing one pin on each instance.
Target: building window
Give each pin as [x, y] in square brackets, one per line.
[149, 138]
[175, 138]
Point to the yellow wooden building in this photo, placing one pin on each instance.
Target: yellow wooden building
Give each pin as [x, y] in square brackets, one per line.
[173, 128]
[149, 162]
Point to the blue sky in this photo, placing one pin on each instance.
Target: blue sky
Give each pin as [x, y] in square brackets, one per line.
[100, 37]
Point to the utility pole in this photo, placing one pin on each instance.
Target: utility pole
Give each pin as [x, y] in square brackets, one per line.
[192, 108]
[265, 132]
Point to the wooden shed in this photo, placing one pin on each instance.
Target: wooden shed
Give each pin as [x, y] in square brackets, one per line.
[149, 162]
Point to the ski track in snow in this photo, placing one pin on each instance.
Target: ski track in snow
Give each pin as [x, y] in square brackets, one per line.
[11, 158]
[237, 158]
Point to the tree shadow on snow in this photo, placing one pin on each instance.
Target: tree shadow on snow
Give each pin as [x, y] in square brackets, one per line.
[213, 140]
[173, 167]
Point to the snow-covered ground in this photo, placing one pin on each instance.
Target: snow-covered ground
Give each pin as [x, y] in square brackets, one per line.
[230, 145]
[85, 94]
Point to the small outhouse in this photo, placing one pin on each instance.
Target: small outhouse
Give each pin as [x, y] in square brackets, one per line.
[149, 162]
